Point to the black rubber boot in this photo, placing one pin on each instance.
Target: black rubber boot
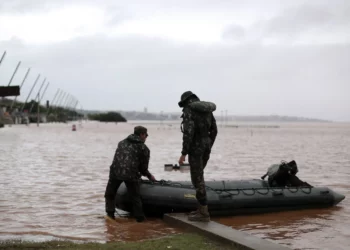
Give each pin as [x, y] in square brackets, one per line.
[111, 216]
[140, 218]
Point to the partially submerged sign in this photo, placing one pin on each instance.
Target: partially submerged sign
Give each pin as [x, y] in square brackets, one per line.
[9, 91]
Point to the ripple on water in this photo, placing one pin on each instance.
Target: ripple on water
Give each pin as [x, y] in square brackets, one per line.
[54, 180]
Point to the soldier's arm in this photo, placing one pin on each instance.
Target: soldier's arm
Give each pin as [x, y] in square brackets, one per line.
[188, 132]
[144, 161]
[115, 152]
[213, 132]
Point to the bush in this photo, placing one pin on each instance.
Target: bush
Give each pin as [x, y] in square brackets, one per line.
[107, 117]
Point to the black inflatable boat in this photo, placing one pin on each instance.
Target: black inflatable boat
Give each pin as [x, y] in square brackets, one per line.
[227, 197]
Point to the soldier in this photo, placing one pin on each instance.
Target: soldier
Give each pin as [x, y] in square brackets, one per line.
[284, 175]
[199, 134]
[130, 162]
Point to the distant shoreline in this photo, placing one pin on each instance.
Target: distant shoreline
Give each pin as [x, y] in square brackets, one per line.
[173, 116]
[163, 116]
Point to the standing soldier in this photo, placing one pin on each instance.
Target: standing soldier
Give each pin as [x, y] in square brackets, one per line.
[130, 162]
[199, 134]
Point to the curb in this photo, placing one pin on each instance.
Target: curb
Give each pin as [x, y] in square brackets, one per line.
[222, 233]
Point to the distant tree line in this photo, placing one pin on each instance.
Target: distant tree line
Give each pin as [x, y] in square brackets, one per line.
[107, 117]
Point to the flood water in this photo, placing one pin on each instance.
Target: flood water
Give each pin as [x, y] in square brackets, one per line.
[52, 180]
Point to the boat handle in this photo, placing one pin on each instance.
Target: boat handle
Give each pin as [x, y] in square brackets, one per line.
[225, 196]
[277, 193]
[324, 192]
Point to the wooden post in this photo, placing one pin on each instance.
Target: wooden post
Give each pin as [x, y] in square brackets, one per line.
[38, 115]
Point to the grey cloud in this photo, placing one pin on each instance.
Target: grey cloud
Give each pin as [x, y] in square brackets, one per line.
[145, 6]
[234, 32]
[300, 19]
[118, 14]
[317, 17]
[132, 72]
[19, 6]
[308, 21]
[115, 12]
[22, 6]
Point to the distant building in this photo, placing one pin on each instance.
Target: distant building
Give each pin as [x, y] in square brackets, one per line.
[145, 110]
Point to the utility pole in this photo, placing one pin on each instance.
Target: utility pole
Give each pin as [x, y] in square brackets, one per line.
[38, 114]
[59, 100]
[66, 101]
[62, 98]
[42, 96]
[76, 104]
[71, 100]
[31, 107]
[24, 79]
[69, 103]
[2, 57]
[222, 118]
[30, 92]
[14, 73]
[59, 104]
[75, 101]
[53, 100]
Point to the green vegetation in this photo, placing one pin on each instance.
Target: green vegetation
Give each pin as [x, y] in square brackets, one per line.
[177, 242]
[107, 117]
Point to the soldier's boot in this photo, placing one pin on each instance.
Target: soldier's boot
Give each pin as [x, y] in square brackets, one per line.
[201, 215]
[110, 216]
[196, 211]
[140, 218]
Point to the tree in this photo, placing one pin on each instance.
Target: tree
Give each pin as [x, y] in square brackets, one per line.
[107, 117]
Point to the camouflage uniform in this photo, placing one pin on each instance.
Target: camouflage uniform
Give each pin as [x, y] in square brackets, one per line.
[285, 176]
[199, 134]
[130, 162]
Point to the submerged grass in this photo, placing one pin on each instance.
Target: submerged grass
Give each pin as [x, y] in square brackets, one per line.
[178, 242]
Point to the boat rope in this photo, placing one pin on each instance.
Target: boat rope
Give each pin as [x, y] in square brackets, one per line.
[234, 191]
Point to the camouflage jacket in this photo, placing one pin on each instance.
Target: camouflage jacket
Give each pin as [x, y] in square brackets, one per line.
[131, 159]
[199, 127]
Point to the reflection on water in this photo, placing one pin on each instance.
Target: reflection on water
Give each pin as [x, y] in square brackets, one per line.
[287, 227]
[127, 229]
[52, 180]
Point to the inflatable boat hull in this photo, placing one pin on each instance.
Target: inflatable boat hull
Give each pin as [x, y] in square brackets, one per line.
[227, 197]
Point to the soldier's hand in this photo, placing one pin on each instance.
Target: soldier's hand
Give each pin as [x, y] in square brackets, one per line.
[151, 178]
[182, 159]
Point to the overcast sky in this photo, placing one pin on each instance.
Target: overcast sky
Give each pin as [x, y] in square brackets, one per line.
[249, 57]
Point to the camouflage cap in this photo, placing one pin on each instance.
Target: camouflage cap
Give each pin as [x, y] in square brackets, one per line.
[140, 130]
[184, 97]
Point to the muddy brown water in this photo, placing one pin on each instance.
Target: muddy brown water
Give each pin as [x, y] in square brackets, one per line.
[52, 180]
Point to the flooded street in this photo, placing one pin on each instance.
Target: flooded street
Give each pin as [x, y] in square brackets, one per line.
[52, 180]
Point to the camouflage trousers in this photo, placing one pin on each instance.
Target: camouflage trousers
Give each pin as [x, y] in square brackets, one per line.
[133, 187]
[197, 166]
